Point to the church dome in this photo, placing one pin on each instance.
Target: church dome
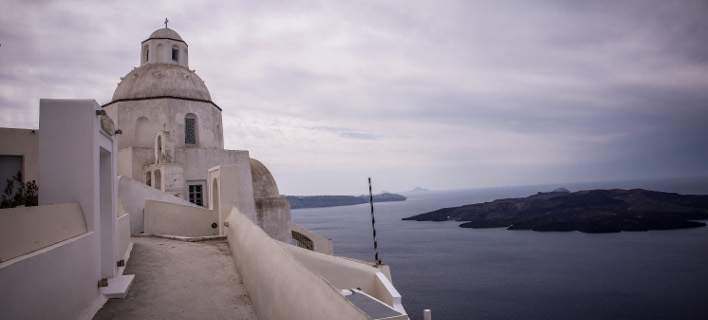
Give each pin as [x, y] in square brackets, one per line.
[165, 33]
[263, 183]
[161, 80]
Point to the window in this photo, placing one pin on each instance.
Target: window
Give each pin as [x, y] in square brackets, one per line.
[190, 129]
[175, 54]
[148, 178]
[147, 53]
[158, 180]
[196, 194]
[158, 149]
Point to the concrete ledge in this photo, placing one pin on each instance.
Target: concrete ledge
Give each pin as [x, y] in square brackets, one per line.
[182, 238]
[118, 286]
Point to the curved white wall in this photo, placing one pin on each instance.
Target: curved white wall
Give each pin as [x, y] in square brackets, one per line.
[166, 114]
[27, 229]
[279, 286]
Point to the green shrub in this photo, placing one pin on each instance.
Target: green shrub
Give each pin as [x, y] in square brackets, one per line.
[18, 193]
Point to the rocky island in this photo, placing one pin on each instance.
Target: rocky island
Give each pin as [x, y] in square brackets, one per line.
[591, 211]
[301, 202]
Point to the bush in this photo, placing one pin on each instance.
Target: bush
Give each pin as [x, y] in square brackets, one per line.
[18, 193]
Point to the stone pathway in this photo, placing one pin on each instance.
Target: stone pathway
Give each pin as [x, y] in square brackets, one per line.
[181, 280]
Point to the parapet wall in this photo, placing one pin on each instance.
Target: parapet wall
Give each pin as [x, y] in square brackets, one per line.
[163, 218]
[132, 195]
[279, 286]
[27, 229]
[319, 243]
[344, 273]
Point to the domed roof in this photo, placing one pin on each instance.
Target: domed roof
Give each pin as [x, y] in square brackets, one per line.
[165, 33]
[161, 80]
[263, 183]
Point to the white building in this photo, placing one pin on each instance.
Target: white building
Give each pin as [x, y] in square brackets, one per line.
[152, 163]
[172, 134]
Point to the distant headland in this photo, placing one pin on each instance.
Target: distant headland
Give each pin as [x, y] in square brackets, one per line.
[418, 189]
[301, 202]
[591, 211]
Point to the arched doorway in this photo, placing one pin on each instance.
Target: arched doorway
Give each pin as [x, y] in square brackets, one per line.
[215, 196]
[158, 180]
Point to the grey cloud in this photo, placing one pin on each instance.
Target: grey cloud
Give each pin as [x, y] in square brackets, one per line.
[349, 133]
[623, 81]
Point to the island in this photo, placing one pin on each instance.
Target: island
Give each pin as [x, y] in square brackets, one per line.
[590, 211]
[301, 202]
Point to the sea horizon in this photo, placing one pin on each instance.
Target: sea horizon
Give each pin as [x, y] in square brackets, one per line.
[503, 274]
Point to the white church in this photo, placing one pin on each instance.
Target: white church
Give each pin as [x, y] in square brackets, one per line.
[150, 166]
[172, 135]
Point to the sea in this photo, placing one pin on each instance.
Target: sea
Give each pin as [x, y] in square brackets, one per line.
[500, 274]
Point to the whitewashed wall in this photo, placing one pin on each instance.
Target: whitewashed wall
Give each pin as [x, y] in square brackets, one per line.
[132, 196]
[279, 286]
[60, 281]
[345, 273]
[27, 229]
[163, 218]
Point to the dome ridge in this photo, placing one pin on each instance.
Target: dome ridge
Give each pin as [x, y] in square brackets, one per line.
[165, 33]
[161, 80]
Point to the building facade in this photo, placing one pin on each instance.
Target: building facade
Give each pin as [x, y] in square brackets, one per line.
[172, 132]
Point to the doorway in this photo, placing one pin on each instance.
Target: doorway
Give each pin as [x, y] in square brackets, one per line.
[105, 173]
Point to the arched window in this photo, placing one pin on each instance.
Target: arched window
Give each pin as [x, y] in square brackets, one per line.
[146, 50]
[148, 178]
[158, 154]
[214, 203]
[158, 180]
[190, 129]
[159, 54]
[175, 54]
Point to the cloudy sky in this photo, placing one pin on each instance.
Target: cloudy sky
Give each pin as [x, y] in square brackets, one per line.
[440, 94]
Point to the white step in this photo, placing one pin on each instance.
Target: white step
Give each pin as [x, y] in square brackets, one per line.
[118, 286]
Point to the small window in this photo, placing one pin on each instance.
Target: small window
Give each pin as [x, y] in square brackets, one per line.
[190, 129]
[148, 178]
[196, 194]
[175, 54]
[147, 53]
[158, 180]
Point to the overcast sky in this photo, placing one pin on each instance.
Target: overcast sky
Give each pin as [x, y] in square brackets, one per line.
[440, 94]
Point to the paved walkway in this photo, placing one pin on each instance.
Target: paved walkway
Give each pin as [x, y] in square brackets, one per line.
[181, 280]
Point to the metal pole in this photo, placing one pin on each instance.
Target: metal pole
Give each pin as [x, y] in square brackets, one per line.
[373, 225]
[427, 315]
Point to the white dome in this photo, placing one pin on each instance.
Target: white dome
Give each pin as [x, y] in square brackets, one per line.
[161, 80]
[165, 33]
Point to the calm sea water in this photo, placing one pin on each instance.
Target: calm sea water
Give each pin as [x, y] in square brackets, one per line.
[499, 274]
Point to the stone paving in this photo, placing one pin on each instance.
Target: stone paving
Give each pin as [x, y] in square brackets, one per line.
[181, 280]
